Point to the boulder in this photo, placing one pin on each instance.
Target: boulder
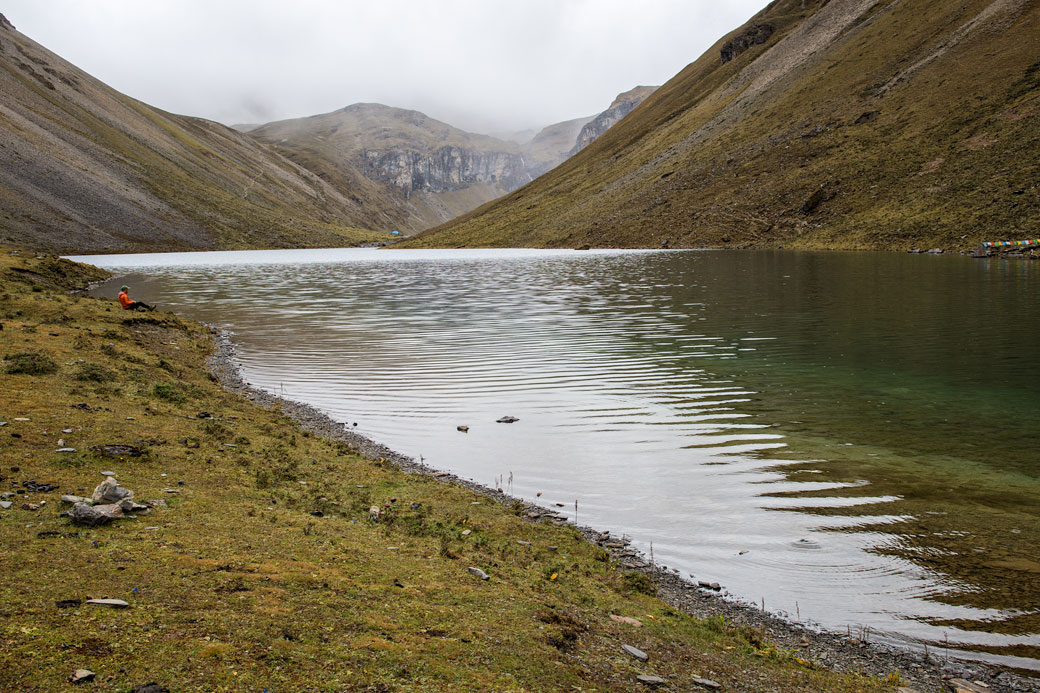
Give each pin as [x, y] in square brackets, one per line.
[94, 515]
[109, 491]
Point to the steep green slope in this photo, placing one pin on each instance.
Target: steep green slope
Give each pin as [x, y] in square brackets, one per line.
[85, 168]
[833, 124]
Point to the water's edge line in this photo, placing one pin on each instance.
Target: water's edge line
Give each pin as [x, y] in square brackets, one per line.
[839, 652]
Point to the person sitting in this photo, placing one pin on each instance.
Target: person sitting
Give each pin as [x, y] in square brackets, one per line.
[129, 304]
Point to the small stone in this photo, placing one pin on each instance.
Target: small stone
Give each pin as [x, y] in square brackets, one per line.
[157, 503]
[6, 504]
[636, 652]
[170, 490]
[65, 450]
[415, 506]
[478, 573]
[82, 676]
[467, 532]
[30, 506]
[110, 603]
[68, 603]
[706, 683]
[72, 500]
[650, 680]
[523, 543]
[964, 686]
[21, 418]
[507, 419]
[553, 548]
[373, 512]
[108, 473]
[66, 430]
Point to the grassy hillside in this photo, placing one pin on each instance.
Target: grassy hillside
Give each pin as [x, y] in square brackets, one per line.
[85, 168]
[852, 124]
[266, 569]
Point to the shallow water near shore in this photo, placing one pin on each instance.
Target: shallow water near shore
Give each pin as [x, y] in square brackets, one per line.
[847, 438]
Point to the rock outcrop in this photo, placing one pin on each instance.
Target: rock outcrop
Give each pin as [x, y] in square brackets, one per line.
[621, 107]
[444, 169]
[753, 35]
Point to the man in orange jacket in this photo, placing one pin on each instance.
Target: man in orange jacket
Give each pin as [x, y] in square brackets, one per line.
[128, 304]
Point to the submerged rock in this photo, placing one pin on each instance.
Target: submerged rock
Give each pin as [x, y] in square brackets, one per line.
[507, 419]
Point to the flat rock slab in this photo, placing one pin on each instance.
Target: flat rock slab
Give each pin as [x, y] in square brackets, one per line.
[110, 603]
[626, 619]
[962, 685]
[707, 683]
[650, 680]
[636, 652]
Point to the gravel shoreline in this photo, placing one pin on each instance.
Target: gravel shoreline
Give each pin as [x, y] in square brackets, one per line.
[921, 671]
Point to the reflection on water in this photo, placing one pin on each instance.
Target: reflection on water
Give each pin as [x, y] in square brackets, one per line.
[849, 437]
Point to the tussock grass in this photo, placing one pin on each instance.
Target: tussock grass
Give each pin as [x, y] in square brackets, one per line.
[266, 570]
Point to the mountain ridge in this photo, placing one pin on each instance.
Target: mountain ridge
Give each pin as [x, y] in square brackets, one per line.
[85, 168]
[853, 124]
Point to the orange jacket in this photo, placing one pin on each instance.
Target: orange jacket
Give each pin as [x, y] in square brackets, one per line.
[125, 300]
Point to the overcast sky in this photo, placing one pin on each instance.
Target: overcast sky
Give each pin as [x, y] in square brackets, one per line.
[483, 65]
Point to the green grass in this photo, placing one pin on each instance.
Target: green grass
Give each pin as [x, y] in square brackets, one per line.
[266, 570]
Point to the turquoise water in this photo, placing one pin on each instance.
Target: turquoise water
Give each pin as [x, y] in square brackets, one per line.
[848, 437]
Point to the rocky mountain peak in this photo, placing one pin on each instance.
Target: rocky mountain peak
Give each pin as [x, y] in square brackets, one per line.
[4, 24]
[622, 105]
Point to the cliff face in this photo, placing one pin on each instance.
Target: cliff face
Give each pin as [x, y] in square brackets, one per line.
[444, 169]
[624, 104]
[887, 124]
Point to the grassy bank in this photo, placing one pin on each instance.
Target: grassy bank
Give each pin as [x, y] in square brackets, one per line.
[268, 569]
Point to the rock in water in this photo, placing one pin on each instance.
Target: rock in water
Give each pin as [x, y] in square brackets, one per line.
[109, 491]
[92, 516]
[508, 419]
[636, 652]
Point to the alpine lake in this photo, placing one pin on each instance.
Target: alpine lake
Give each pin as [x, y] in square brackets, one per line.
[850, 439]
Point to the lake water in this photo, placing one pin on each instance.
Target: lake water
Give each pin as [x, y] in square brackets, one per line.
[851, 438]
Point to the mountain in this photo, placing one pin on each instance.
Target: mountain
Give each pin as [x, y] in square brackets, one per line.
[624, 104]
[84, 168]
[824, 124]
[551, 146]
[424, 170]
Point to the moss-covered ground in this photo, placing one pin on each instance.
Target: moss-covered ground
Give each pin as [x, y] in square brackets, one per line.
[267, 570]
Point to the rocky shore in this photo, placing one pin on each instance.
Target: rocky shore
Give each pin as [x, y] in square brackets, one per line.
[924, 670]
